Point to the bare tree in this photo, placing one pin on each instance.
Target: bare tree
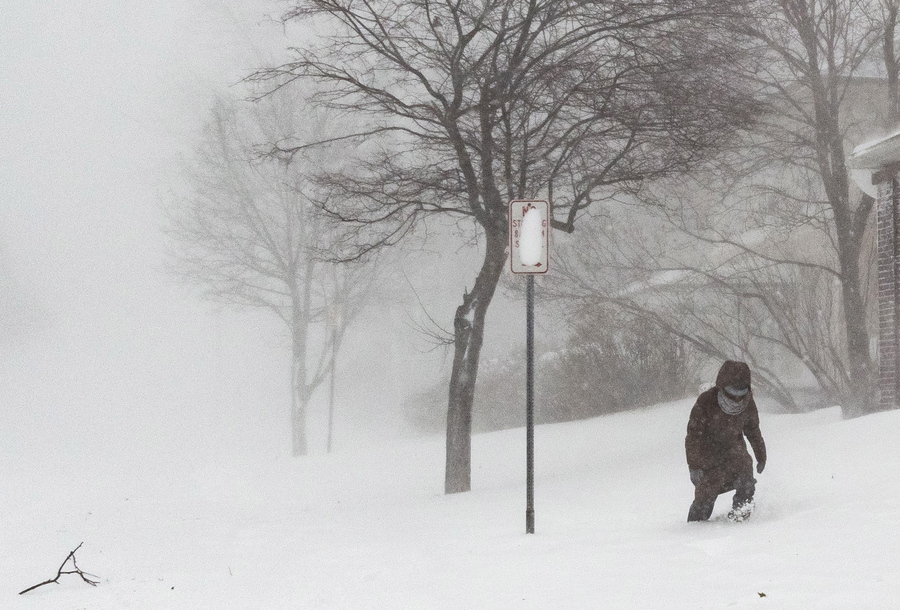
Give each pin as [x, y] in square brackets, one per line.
[249, 234]
[785, 246]
[473, 104]
[817, 48]
[886, 22]
[731, 268]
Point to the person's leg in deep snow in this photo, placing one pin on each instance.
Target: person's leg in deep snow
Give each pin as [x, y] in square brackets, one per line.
[744, 487]
[706, 490]
[740, 476]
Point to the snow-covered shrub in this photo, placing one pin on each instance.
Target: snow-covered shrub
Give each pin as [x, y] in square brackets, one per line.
[499, 398]
[614, 363]
[608, 364]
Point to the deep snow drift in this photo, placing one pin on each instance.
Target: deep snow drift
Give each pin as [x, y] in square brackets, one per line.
[371, 529]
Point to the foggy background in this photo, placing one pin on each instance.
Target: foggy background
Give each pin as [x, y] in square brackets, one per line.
[102, 352]
[130, 406]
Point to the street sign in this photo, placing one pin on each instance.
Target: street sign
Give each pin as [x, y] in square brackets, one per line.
[529, 236]
[529, 248]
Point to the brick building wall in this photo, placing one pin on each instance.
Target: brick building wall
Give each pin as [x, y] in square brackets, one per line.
[880, 159]
[888, 287]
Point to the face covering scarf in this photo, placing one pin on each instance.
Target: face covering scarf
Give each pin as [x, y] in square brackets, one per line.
[732, 406]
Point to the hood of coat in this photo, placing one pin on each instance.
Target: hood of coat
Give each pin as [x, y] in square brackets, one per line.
[733, 373]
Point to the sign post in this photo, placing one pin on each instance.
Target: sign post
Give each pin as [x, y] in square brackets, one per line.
[529, 241]
[334, 320]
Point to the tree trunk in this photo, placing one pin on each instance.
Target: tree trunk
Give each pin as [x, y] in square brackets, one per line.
[891, 64]
[859, 398]
[300, 296]
[299, 400]
[468, 337]
[849, 228]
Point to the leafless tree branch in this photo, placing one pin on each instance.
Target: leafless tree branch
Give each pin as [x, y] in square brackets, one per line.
[62, 571]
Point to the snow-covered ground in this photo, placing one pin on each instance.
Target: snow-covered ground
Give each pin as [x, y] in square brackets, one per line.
[371, 528]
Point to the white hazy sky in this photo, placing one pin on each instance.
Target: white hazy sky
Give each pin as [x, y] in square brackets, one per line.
[99, 98]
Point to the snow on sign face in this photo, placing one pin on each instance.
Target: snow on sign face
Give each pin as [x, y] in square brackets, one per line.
[529, 236]
[531, 239]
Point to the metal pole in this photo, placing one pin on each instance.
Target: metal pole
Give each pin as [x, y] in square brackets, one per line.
[529, 404]
[331, 386]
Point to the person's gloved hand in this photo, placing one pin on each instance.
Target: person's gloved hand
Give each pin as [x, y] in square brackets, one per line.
[696, 476]
[760, 466]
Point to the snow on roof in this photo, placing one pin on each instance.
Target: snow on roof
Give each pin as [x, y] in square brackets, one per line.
[722, 258]
[876, 153]
[665, 278]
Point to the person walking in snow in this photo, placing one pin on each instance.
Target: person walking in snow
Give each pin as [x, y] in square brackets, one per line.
[717, 456]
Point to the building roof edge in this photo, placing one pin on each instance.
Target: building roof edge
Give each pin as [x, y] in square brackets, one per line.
[877, 153]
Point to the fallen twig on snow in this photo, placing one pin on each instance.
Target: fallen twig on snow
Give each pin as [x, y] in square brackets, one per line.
[62, 570]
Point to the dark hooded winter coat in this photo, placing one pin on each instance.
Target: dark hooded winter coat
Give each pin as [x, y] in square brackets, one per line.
[715, 439]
